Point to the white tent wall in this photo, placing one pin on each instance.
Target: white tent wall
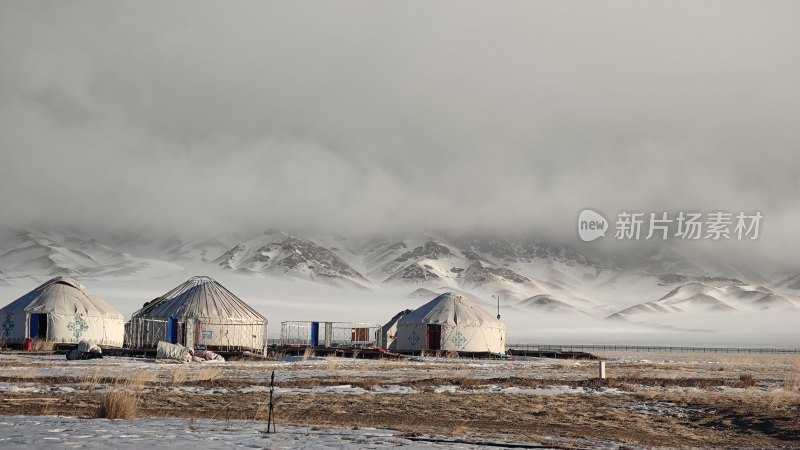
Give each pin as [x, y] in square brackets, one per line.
[225, 334]
[465, 338]
[455, 338]
[411, 337]
[13, 328]
[65, 329]
[102, 331]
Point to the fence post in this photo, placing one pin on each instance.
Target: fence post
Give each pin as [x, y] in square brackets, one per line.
[602, 367]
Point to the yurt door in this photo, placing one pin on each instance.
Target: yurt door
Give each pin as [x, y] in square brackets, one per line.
[38, 326]
[434, 337]
[172, 330]
[314, 334]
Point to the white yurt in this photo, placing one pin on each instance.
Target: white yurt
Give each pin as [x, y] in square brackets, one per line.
[199, 313]
[450, 322]
[62, 311]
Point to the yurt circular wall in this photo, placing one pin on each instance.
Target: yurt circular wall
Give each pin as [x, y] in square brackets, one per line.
[413, 337]
[213, 333]
[455, 324]
[62, 311]
[199, 312]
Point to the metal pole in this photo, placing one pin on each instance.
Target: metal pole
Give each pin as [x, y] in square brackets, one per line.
[271, 417]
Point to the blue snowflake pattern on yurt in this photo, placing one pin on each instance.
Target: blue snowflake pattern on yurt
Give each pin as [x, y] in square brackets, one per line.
[459, 339]
[77, 326]
[413, 338]
[8, 326]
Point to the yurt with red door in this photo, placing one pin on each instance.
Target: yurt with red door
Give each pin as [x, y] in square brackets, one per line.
[450, 322]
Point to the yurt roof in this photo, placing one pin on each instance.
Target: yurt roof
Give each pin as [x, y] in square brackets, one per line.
[62, 295]
[395, 319]
[451, 309]
[199, 297]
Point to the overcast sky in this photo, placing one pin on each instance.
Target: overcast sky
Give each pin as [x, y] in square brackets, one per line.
[394, 115]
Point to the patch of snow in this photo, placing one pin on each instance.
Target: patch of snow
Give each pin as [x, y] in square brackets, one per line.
[445, 389]
[393, 389]
[303, 359]
[69, 432]
[19, 387]
[64, 389]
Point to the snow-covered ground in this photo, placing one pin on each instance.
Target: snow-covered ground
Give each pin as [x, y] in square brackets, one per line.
[254, 376]
[366, 402]
[51, 432]
[295, 376]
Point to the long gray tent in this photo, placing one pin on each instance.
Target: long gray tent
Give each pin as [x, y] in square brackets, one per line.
[198, 313]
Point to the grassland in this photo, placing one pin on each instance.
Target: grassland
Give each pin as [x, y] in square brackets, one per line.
[692, 400]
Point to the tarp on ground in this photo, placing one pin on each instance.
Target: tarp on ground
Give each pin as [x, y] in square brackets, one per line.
[173, 352]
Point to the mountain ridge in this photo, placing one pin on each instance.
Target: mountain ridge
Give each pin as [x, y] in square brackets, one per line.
[528, 274]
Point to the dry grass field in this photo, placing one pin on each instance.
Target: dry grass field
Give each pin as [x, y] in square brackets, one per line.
[673, 400]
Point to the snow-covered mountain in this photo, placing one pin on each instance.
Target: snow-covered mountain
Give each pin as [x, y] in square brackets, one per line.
[279, 253]
[669, 259]
[698, 297]
[515, 270]
[28, 253]
[437, 263]
[668, 279]
[547, 303]
[528, 274]
[790, 282]
[200, 250]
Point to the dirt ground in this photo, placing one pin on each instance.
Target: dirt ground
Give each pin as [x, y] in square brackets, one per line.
[648, 400]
